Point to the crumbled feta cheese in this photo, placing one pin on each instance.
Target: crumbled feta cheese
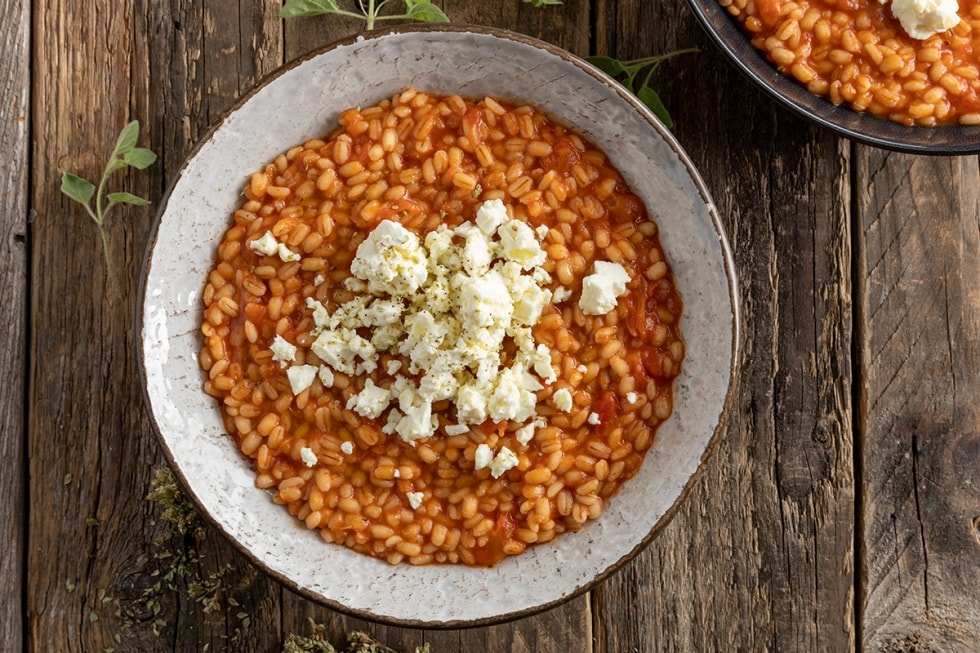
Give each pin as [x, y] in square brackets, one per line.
[519, 244]
[511, 399]
[283, 351]
[498, 464]
[923, 18]
[326, 376]
[267, 244]
[593, 418]
[601, 288]
[321, 318]
[318, 280]
[490, 216]
[447, 308]
[287, 255]
[471, 405]
[457, 429]
[631, 397]
[483, 457]
[391, 260]
[563, 399]
[542, 364]
[504, 460]
[370, 402]
[526, 433]
[301, 377]
[347, 447]
[542, 231]
[309, 458]
[414, 499]
[582, 368]
[560, 294]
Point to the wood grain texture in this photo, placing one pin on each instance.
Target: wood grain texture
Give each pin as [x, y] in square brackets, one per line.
[760, 556]
[100, 559]
[919, 299]
[15, 84]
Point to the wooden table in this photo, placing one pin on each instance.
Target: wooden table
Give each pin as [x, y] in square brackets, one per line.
[841, 511]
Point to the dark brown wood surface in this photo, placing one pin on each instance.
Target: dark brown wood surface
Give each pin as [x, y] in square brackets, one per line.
[840, 512]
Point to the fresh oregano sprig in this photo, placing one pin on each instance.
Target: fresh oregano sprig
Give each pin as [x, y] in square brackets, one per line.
[628, 73]
[370, 11]
[125, 155]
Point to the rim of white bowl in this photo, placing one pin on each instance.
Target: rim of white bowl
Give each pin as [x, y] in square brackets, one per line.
[734, 363]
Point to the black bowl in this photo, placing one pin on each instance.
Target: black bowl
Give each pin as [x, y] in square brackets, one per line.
[860, 127]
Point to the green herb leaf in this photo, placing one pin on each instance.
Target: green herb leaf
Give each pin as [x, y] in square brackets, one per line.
[77, 188]
[126, 198]
[127, 138]
[543, 3]
[608, 65]
[425, 11]
[140, 158]
[650, 98]
[297, 8]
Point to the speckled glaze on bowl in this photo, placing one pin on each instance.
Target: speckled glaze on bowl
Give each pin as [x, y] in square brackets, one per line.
[860, 127]
[358, 72]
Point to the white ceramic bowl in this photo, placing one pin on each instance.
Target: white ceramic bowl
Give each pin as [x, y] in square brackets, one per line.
[474, 62]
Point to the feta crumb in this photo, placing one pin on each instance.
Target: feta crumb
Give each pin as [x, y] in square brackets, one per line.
[526, 433]
[391, 260]
[301, 377]
[414, 499]
[347, 447]
[593, 418]
[483, 457]
[393, 366]
[542, 231]
[923, 18]
[560, 294]
[267, 244]
[563, 399]
[326, 376]
[601, 288]
[287, 255]
[504, 460]
[582, 368]
[309, 458]
[631, 397]
[490, 216]
[457, 429]
[318, 280]
[369, 402]
[283, 351]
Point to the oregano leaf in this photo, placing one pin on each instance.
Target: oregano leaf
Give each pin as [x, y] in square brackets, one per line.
[295, 8]
[140, 158]
[650, 98]
[127, 138]
[126, 198]
[608, 65]
[77, 188]
[425, 11]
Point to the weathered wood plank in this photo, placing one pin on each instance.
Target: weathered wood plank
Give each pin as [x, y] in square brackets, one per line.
[760, 556]
[15, 84]
[100, 559]
[919, 302]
